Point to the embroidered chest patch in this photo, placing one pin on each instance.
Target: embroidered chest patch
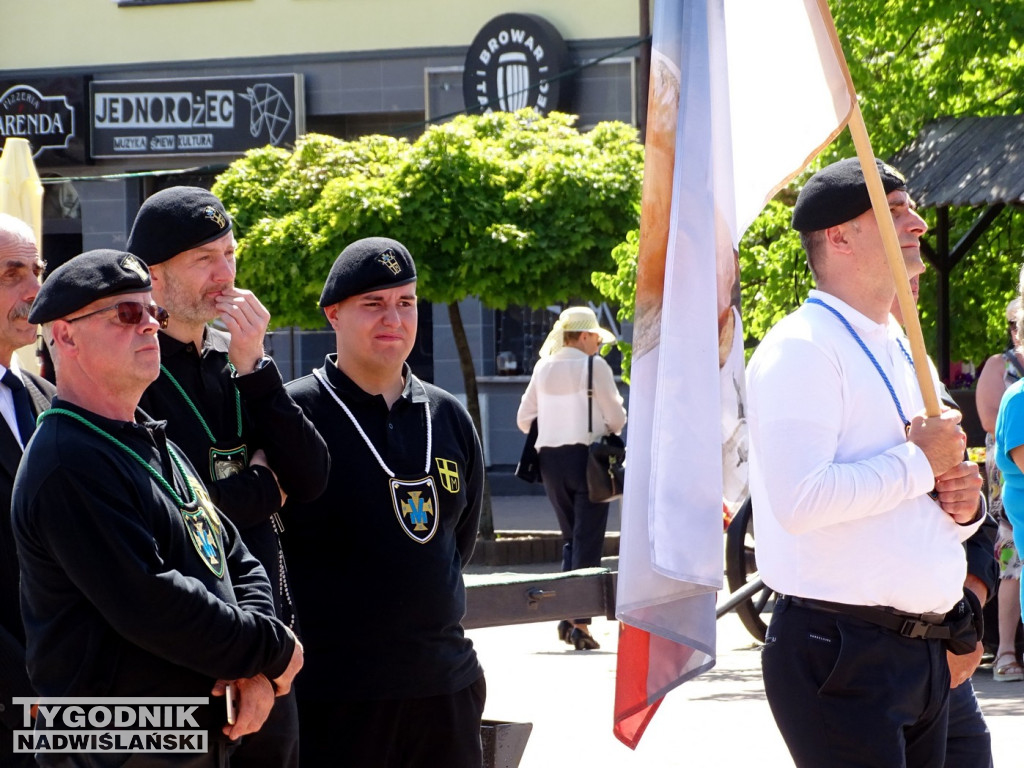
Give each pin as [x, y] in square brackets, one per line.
[448, 471]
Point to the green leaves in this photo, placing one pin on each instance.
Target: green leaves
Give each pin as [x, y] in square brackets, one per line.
[912, 61]
[514, 208]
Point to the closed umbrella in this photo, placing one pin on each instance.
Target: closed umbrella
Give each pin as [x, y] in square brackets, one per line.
[21, 192]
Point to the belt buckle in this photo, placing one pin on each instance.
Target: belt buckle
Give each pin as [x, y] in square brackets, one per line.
[915, 629]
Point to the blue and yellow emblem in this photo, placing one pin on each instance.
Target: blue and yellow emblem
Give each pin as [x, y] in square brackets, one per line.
[448, 471]
[416, 507]
[204, 528]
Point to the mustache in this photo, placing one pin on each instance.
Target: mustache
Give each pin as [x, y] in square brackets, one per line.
[20, 311]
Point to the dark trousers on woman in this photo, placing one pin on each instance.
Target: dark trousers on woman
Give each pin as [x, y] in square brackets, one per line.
[582, 522]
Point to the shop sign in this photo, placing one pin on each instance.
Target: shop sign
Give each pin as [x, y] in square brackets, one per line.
[195, 116]
[517, 60]
[46, 122]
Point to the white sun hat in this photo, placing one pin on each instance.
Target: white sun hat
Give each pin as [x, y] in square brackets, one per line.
[574, 319]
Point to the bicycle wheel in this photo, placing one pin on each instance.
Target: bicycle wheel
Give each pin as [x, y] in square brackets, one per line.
[741, 568]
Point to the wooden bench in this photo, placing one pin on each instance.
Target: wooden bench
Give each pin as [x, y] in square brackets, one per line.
[495, 599]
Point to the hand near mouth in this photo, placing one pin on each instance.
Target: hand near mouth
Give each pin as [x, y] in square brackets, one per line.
[247, 320]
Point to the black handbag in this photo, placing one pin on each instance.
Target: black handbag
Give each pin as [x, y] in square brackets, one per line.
[606, 457]
[528, 468]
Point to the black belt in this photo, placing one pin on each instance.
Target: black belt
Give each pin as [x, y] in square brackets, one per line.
[923, 626]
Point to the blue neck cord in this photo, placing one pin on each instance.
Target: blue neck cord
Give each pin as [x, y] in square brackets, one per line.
[871, 357]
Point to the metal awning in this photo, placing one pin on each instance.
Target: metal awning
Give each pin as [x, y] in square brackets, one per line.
[966, 162]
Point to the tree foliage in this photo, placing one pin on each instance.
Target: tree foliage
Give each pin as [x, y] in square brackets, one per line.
[510, 208]
[295, 212]
[515, 208]
[912, 62]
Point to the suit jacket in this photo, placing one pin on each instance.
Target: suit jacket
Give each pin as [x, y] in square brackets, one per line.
[13, 677]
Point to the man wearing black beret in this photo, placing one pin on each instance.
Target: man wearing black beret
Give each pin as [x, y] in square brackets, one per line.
[862, 501]
[225, 403]
[132, 585]
[391, 534]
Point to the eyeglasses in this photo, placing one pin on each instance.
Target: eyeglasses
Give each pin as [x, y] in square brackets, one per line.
[131, 313]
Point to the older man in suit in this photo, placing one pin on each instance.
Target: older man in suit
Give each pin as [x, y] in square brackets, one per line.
[22, 397]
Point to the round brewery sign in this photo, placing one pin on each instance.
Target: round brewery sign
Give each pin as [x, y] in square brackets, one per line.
[515, 61]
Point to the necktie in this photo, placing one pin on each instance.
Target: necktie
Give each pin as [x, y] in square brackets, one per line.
[22, 408]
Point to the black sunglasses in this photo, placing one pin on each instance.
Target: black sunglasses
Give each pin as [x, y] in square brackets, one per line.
[131, 313]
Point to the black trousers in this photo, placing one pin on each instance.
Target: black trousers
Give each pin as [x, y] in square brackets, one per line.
[968, 740]
[276, 744]
[432, 732]
[845, 692]
[582, 522]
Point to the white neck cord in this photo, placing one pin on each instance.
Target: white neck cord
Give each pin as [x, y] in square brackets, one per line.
[426, 411]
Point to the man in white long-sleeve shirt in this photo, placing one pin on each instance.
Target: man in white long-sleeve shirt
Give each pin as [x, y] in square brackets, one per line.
[862, 502]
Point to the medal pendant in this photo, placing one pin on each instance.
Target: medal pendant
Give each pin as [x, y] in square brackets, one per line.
[416, 507]
[204, 529]
[227, 462]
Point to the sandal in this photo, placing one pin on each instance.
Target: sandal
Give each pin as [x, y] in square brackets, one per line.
[1009, 671]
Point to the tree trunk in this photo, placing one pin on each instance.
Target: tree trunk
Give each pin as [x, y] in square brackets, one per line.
[473, 405]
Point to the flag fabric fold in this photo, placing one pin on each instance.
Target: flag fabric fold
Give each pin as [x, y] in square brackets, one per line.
[743, 94]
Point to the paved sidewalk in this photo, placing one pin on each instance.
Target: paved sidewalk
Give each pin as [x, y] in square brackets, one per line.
[719, 720]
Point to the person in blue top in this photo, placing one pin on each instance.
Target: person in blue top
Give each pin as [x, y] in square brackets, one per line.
[998, 374]
[1009, 438]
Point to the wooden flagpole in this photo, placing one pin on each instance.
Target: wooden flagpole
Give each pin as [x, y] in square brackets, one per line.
[893, 253]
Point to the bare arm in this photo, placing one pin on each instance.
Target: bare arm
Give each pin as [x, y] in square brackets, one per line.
[990, 392]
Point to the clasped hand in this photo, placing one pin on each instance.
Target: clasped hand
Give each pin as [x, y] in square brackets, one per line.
[957, 482]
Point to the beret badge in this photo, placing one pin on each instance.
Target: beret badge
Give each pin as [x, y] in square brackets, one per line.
[389, 260]
[129, 262]
[215, 216]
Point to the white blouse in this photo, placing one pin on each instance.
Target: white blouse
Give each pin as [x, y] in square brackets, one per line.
[557, 398]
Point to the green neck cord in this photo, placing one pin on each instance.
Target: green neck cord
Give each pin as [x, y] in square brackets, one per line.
[159, 478]
[202, 421]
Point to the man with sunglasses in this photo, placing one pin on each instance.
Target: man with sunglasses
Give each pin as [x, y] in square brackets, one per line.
[132, 584]
[225, 402]
[22, 397]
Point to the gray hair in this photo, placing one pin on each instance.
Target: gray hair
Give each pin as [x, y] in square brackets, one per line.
[13, 228]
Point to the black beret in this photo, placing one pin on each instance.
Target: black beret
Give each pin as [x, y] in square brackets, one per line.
[368, 265]
[84, 279]
[838, 193]
[177, 219]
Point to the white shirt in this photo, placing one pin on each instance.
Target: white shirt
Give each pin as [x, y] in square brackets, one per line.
[841, 510]
[557, 398]
[7, 400]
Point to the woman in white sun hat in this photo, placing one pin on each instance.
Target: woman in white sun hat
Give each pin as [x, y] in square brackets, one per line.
[557, 398]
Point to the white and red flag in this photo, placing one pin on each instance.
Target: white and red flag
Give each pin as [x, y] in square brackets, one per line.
[743, 94]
